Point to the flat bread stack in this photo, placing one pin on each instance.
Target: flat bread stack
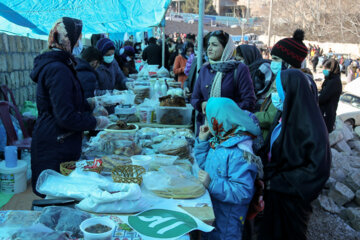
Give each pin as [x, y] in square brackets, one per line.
[173, 182]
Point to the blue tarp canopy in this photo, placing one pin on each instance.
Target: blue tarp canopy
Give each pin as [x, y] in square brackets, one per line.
[35, 18]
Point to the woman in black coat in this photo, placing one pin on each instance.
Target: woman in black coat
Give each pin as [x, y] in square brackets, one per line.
[86, 70]
[298, 164]
[330, 93]
[63, 111]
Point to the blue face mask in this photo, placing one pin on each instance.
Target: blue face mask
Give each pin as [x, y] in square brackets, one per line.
[77, 50]
[109, 59]
[275, 67]
[276, 100]
[326, 72]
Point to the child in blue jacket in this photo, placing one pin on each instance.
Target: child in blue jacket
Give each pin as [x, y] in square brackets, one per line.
[229, 167]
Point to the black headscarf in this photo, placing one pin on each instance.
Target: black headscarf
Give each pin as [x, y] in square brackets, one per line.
[334, 66]
[301, 157]
[250, 53]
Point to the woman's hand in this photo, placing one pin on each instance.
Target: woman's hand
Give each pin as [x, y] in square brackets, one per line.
[101, 122]
[204, 132]
[203, 107]
[187, 93]
[204, 178]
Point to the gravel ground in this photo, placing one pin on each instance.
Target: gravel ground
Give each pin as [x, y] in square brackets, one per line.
[326, 226]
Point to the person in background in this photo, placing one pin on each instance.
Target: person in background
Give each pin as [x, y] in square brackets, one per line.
[63, 111]
[86, 70]
[228, 165]
[351, 71]
[330, 93]
[192, 70]
[126, 60]
[298, 162]
[190, 38]
[180, 62]
[259, 68]
[286, 53]
[95, 38]
[152, 53]
[110, 75]
[172, 52]
[179, 43]
[315, 61]
[222, 77]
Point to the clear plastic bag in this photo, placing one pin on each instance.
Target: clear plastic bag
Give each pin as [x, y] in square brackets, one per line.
[175, 181]
[99, 109]
[113, 143]
[163, 72]
[120, 198]
[175, 146]
[63, 219]
[77, 185]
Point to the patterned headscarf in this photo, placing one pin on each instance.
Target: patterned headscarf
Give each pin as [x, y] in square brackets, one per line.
[224, 65]
[226, 119]
[65, 34]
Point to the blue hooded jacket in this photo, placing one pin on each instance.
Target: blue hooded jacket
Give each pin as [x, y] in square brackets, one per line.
[232, 184]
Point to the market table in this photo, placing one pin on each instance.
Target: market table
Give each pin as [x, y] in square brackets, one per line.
[158, 125]
[19, 208]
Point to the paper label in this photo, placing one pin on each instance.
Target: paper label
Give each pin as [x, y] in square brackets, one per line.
[7, 183]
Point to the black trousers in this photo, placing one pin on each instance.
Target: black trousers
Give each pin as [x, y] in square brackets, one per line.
[285, 217]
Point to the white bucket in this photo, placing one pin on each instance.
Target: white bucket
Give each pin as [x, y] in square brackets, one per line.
[13, 180]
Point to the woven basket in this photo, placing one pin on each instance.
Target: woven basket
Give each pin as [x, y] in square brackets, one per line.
[67, 167]
[128, 174]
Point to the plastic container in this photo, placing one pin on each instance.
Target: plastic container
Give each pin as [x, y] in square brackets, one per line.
[146, 114]
[11, 156]
[123, 131]
[13, 180]
[142, 160]
[98, 236]
[174, 115]
[127, 114]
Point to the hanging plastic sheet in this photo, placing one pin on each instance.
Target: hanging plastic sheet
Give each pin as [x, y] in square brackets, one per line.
[35, 18]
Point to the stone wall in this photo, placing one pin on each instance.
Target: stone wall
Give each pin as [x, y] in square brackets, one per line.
[16, 62]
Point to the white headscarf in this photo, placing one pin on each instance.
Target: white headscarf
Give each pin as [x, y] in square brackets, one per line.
[224, 61]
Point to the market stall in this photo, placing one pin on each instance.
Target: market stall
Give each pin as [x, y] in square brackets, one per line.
[142, 159]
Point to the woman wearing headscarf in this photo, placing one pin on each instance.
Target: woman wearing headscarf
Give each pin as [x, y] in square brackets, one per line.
[180, 62]
[330, 93]
[259, 68]
[110, 75]
[298, 164]
[228, 166]
[63, 111]
[222, 77]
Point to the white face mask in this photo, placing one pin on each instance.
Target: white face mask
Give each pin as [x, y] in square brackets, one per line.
[77, 50]
[109, 59]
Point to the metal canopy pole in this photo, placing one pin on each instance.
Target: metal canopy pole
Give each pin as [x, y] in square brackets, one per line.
[163, 47]
[200, 35]
[270, 21]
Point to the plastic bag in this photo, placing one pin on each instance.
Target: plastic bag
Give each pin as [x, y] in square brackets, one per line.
[111, 161]
[159, 160]
[77, 185]
[39, 232]
[29, 108]
[175, 183]
[63, 219]
[99, 109]
[120, 198]
[163, 72]
[113, 143]
[144, 72]
[175, 146]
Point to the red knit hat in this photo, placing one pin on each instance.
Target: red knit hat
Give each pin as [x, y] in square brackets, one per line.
[291, 50]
